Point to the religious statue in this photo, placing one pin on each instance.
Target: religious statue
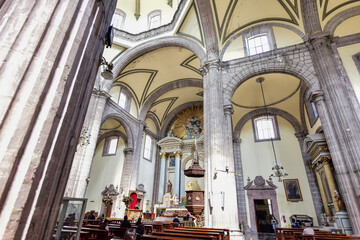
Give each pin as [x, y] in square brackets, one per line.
[339, 202]
[169, 186]
[170, 134]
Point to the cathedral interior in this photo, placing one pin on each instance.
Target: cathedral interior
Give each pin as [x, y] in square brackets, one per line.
[233, 111]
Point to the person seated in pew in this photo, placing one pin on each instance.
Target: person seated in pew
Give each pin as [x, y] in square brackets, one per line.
[125, 223]
[308, 231]
[176, 220]
[139, 222]
[91, 215]
[104, 224]
[139, 231]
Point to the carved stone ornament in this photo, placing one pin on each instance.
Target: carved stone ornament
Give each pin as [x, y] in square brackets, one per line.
[259, 183]
[110, 191]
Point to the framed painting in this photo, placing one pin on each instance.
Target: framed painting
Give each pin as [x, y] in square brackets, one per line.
[292, 190]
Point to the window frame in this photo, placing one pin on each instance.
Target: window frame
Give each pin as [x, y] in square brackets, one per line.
[255, 31]
[107, 144]
[309, 106]
[128, 96]
[356, 58]
[151, 15]
[275, 127]
[151, 148]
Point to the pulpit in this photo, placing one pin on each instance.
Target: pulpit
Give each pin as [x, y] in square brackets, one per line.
[195, 201]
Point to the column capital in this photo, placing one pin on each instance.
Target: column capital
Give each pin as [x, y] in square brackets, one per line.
[237, 140]
[128, 151]
[205, 68]
[301, 135]
[317, 96]
[319, 39]
[163, 155]
[100, 93]
[228, 109]
[178, 154]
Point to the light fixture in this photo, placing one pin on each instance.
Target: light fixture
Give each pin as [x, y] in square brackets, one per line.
[278, 170]
[106, 69]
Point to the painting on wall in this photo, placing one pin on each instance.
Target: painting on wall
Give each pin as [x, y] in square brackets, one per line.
[292, 190]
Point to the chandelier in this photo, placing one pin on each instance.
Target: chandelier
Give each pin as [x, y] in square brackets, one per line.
[278, 170]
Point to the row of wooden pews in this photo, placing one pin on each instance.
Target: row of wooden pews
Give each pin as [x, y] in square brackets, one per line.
[180, 233]
[297, 234]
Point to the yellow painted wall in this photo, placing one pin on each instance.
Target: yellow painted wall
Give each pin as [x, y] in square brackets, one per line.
[235, 50]
[348, 27]
[105, 170]
[346, 54]
[114, 93]
[285, 37]
[136, 26]
[146, 172]
[151, 125]
[258, 159]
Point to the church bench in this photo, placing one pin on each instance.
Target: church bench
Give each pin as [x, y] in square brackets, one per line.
[150, 237]
[198, 233]
[185, 235]
[224, 230]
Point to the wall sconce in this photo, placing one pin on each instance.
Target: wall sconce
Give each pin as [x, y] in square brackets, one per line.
[106, 69]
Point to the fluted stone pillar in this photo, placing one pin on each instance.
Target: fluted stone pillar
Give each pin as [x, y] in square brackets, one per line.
[182, 181]
[220, 191]
[162, 176]
[137, 156]
[177, 174]
[80, 170]
[239, 179]
[50, 53]
[127, 170]
[310, 175]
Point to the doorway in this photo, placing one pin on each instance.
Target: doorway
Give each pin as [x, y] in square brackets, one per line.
[263, 212]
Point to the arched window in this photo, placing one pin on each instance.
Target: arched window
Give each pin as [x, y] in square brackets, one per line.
[154, 19]
[110, 146]
[265, 128]
[124, 99]
[258, 44]
[118, 19]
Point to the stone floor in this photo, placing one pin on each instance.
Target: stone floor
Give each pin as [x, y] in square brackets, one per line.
[260, 236]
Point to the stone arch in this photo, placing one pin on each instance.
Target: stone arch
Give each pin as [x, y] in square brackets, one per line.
[335, 21]
[166, 88]
[172, 115]
[290, 118]
[127, 127]
[267, 25]
[112, 133]
[173, 41]
[153, 118]
[305, 72]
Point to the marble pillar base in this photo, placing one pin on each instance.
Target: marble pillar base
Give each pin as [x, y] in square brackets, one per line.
[236, 234]
[343, 222]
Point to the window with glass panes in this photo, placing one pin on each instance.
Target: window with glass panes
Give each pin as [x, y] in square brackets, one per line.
[265, 128]
[122, 100]
[110, 145]
[154, 19]
[258, 44]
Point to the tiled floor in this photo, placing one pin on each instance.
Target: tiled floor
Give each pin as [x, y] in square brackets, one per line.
[260, 236]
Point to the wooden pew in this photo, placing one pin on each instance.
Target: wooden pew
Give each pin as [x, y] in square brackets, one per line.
[222, 232]
[218, 235]
[184, 235]
[150, 237]
[225, 231]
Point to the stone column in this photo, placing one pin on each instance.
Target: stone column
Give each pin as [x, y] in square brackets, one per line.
[323, 195]
[177, 173]
[240, 191]
[310, 175]
[338, 115]
[50, 53]
[331, 182]
[80, 170]
[162, 176]
[137, 156]
[182, 181]
[127, 170]
[220, 191]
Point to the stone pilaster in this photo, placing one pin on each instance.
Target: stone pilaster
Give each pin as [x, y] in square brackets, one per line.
[323, 194]
[316, 197]
[240, 191]
[137, 156]
[127, 171]
[162, 176]
[80, 170]
[220, 191]
[177, 173]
